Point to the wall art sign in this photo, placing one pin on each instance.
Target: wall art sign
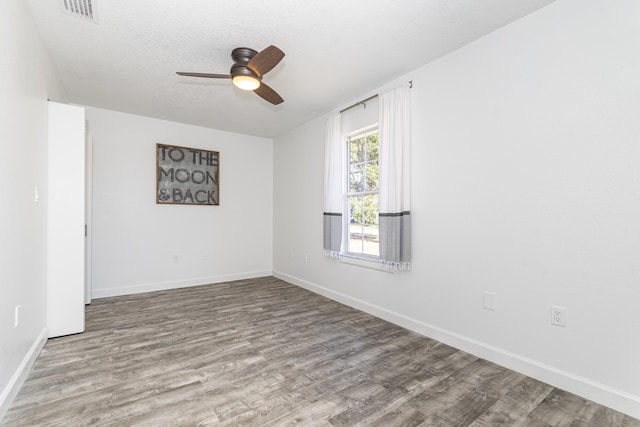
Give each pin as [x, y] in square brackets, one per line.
[187, 176]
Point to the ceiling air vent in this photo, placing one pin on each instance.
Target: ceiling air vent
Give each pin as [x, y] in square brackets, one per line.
[83, 9]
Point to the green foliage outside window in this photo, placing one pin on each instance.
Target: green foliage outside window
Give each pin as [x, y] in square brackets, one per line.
[364, 209]
[363, 178]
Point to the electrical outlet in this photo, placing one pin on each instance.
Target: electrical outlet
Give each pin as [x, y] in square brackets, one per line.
[558, 316]
[306, 258]
[176, 259]
[291, 255]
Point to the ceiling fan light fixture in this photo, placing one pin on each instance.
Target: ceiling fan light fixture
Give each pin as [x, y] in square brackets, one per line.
[246, 82]
[247, 70]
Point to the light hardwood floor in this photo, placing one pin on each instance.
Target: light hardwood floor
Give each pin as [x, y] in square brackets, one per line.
[263, 352]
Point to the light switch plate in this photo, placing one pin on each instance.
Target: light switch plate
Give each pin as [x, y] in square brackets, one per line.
[489, 300]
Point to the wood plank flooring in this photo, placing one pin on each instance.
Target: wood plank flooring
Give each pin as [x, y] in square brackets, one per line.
[263, 352]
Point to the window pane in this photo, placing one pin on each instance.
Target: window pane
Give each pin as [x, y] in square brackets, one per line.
[372, 161]
[356, 178]
[357, 150]
[371, 176]
[370, 235]
[363, 198]
[363, 225]
[355, 224]
[370, 209]
[372, 147]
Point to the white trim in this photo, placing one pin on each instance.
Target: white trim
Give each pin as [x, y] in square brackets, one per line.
[20, 375]
[162, 286]
[600, 393]
[363, 262]
[367, 129]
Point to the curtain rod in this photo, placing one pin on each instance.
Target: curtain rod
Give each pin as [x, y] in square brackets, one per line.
[363, 102]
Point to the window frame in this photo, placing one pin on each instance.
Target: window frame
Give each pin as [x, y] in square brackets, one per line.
[357, 258]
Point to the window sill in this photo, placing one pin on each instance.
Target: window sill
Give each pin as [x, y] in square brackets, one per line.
[363, 262]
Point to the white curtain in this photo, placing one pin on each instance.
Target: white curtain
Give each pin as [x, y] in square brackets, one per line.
[395, 178]
[333, 184]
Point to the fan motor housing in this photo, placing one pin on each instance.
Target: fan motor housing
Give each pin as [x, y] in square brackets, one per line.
[242, 55]
[242, 70]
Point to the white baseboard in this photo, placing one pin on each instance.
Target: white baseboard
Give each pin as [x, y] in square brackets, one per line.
[585, 387]
[161, 286]
[11, 390]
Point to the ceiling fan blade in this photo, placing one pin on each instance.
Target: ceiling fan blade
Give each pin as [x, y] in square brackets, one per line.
[207, 75]
[268, 94]
[265, 60]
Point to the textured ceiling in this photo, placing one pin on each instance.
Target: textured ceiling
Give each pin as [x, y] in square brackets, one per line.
[336, 50]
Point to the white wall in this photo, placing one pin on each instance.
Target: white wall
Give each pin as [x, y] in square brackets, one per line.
[136, 241]
[26, 79]
[526, 152]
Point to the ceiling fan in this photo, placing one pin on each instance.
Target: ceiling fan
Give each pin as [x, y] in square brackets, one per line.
[247, 70]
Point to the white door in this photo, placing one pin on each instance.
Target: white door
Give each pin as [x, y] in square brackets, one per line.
[65, 220]
[87, 217]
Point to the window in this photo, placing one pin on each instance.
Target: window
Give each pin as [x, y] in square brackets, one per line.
[360, 227]
[361, 200]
